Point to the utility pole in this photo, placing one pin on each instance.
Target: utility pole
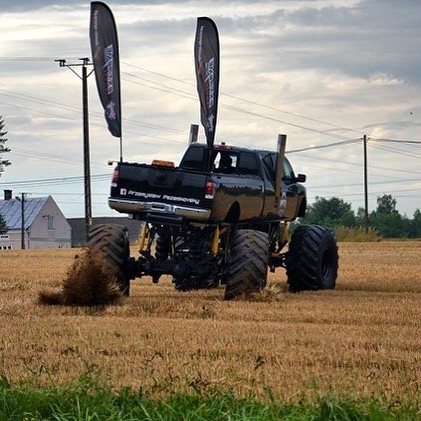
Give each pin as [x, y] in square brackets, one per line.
[22, 216]
[365, 185]
[86, 151]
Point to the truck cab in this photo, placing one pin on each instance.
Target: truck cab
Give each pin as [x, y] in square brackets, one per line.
[248, 174]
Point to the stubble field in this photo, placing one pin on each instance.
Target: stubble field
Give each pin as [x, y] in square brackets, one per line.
[361, 339]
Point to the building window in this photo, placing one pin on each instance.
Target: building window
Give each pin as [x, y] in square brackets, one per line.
[50, 222]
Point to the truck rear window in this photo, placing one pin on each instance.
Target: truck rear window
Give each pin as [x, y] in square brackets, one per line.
[194, 159]
[225, 162]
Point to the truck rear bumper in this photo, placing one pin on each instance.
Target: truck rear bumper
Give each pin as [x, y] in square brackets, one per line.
[134, 207]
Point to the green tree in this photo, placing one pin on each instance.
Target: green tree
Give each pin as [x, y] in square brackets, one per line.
[388, 222]
[415, 228]
[386, 205]
[360, 216]
[3, 225]
[3, 149]
[330, 212]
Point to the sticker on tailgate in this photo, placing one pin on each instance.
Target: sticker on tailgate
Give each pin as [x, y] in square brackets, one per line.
[164, 197]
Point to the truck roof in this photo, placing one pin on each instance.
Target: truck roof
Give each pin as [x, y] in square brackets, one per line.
[224, 146]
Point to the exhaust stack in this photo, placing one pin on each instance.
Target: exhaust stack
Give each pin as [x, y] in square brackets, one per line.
[194, 131]
[279, 170]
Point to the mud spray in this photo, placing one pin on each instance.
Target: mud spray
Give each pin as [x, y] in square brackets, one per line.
[89, 282]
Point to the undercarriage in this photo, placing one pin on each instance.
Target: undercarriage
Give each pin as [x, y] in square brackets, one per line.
[206, 256]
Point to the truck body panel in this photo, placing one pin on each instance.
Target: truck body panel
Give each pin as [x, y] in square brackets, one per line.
[201, 189]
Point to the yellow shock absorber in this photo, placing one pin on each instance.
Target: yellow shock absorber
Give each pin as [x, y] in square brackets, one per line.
[215, 240]
[143, 235]
[285, 234]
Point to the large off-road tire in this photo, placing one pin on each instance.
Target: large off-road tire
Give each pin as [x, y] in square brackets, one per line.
[111, 243]
[312, 259]
[247, 263]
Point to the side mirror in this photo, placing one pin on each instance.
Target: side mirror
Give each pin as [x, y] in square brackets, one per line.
[301, 178]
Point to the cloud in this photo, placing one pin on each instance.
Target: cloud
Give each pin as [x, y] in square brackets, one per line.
[319, 71]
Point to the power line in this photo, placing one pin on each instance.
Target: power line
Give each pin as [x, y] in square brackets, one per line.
[244, 100]
[414, 142]
[23, 97]
[330, 145]
[169, 89]
[397, 151]
[178, 92]
[55, 180]
[41, 58]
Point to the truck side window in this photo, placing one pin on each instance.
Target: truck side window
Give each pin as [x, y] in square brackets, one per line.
[269, 167]
[288, 171]
[247, 164]
[269, 164]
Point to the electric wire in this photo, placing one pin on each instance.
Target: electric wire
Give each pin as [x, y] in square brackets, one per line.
[166, 89]
[237, 98]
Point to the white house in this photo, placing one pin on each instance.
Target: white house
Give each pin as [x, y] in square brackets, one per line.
[44, 225]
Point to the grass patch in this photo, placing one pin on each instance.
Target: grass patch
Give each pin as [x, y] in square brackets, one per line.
[184, 355]
[87, 399]
[357, 234]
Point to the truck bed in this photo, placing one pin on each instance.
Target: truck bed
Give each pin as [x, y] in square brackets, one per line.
[141, 189]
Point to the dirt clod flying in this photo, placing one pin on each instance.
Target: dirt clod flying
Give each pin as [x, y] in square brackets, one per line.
[89, 282]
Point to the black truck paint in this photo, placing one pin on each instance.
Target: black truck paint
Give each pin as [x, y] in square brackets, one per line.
[244, 191]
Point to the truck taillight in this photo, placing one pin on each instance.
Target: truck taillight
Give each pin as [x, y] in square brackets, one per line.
[209, 189]
[116, 174]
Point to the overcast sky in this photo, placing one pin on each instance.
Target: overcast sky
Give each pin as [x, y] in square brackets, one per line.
[321, 72]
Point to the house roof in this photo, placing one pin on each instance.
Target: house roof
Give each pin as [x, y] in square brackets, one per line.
[11, 210]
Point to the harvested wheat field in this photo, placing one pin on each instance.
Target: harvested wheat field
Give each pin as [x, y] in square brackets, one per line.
[361, 339]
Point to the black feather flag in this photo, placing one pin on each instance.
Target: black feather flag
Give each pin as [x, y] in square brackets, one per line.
[105, 54]
[206, 55]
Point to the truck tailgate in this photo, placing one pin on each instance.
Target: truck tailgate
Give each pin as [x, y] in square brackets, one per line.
[140, 188]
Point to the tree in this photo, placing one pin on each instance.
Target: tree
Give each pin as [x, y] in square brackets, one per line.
[360, 217]
[388, 222]
[3, 149]
[385, 220]
[330, 212]
[3, 225]
[386, 205]
[415, 229]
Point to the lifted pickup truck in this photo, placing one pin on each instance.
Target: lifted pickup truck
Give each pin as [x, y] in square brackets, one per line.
[239, 187]
[220, 217]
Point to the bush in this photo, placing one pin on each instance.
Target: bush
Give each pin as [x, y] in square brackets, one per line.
[357, 235]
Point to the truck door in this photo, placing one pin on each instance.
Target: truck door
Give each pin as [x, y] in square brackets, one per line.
[239, 184]
[293, 192]
[251, 205]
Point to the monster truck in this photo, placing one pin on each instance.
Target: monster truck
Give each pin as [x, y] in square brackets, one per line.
[220, 217]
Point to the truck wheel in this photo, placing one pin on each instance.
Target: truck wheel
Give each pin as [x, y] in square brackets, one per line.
[111, 242]
[312, 259]
[247, 263]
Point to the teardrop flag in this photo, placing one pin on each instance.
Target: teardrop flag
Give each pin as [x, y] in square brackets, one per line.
[105, 55]
[206, 55]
